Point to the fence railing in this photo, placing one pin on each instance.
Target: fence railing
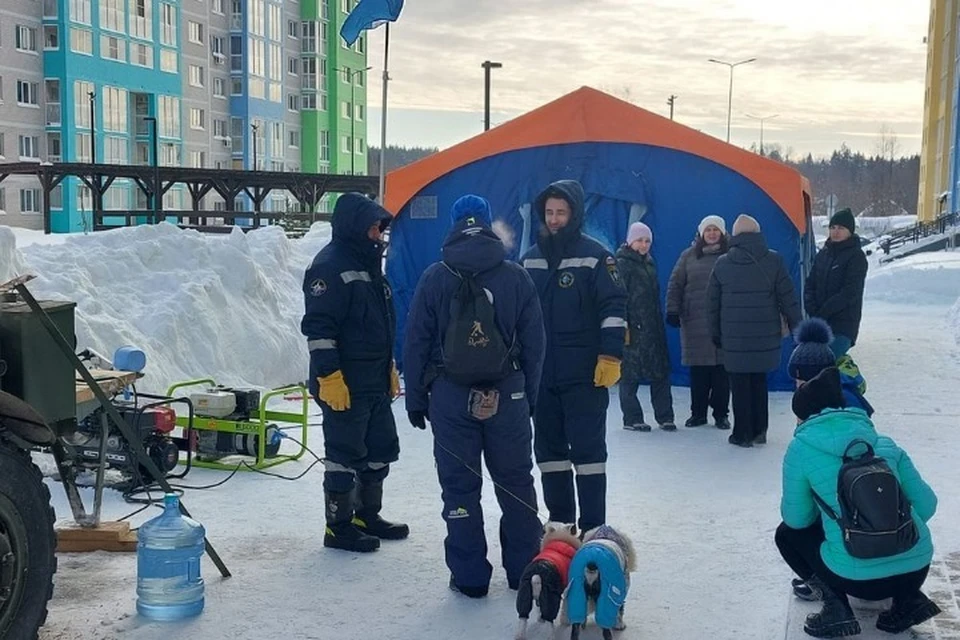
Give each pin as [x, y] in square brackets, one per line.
[920, 230]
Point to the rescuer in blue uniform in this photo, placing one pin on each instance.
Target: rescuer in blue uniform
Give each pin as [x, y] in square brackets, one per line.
[583, 308]
[488, 418]
[350, 326]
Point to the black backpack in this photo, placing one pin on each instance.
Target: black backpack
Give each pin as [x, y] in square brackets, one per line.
[875, 515]
[474, 351]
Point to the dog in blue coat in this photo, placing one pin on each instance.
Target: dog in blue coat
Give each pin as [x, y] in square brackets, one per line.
[599, 581]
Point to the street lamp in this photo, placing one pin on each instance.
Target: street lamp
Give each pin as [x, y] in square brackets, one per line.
[93, 134]
[254, 127]
[732, 65]
[761, 119]
[487, 66]
[350, 73]
[156, 168]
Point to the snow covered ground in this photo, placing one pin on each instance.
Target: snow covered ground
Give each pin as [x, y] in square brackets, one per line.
[702, 513]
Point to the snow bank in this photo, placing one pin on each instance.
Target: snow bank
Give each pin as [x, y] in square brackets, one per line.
[926, 278]
[953, 318]
[226, 307]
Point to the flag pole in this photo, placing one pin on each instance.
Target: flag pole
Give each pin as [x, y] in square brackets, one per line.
[383, 118]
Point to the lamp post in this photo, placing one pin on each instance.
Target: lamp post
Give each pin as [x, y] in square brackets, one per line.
[350, 73]
[732, 66]
[254, 127]
[487, 66]
[156, 168]
[671, 101]
[93, 134]
[761, 119]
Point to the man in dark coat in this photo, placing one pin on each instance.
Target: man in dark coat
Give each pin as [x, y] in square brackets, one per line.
[464, 429]
[645, 354]
[750, 297]
[834, 289]
[349, 323]
[583, 309]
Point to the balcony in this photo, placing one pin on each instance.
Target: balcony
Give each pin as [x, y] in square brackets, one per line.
[53, 114]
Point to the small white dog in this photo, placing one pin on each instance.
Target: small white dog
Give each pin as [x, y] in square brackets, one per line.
[599, 581]
[545, 578]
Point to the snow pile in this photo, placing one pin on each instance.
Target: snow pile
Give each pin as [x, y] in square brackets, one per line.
[225, 307]
[925, 278]
[953, 318]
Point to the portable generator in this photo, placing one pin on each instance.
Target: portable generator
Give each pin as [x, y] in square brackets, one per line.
[231, 422]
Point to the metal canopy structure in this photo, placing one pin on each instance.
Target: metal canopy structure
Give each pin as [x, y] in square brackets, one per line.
[154, 182]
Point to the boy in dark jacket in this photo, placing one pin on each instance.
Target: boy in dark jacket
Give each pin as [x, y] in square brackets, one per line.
[490, 420]
[813, 354]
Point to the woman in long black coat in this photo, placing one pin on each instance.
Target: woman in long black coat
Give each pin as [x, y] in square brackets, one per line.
[645, 354]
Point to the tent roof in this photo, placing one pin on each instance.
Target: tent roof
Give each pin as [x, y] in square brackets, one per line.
[588, 115]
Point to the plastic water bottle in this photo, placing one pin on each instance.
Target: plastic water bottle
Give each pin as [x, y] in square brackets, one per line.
[169, 547]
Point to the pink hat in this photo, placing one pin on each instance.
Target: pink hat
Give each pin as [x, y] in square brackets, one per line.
[637, 231]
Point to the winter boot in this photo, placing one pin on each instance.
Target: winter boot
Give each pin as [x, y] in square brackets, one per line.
[340, 532]
[643, 426]
[470, 592]
[367, 518]
[810, 590]
[723, 424]
[761, 438]
[907, 612]
[695, 422]
[669, 426]
[835, 619]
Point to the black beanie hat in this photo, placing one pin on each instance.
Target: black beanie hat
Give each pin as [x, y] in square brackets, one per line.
[844, 218]
[820, 393]
[813, 353]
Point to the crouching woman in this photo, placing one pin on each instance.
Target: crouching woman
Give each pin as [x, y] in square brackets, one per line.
[828, 557]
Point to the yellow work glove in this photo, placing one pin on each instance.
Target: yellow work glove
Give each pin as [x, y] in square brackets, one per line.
[334, 391]
[394, 382]
[607, 372]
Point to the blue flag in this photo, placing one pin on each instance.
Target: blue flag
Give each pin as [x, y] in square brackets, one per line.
[369, 14]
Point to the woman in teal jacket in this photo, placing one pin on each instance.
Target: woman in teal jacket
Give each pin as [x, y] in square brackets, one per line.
[812, 544]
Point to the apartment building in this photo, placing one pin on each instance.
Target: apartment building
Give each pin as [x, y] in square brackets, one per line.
[228, 84]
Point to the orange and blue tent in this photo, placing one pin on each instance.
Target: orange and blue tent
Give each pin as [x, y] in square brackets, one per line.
[633, 165]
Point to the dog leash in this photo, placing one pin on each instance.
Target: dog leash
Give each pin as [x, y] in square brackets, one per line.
[498, 486]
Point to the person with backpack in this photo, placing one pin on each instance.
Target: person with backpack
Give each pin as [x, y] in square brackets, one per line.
[473, 356]
[645, 354]
[584, 310]
[750, 298]
[855, 512]
[687, 310]
[349, 324]
[834, 288]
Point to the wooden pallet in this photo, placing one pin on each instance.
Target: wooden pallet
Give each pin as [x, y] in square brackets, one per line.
[108, 536]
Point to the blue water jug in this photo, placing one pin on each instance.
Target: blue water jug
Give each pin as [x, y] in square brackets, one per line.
[169, 547]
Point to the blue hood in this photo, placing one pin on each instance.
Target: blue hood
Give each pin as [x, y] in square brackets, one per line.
[354, 214]
[572, 192]
[472, 248]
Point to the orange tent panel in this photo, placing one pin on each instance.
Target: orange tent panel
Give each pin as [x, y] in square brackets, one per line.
[588, 115]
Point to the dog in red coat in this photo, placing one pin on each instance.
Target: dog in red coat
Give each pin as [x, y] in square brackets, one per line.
[545, 578]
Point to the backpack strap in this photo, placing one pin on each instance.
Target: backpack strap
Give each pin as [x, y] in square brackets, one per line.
[512, 349]
[825, 507]
[868, 453]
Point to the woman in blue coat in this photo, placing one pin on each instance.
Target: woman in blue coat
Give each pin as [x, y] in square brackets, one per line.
[812, 542]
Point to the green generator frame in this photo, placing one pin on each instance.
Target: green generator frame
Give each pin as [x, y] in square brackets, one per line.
[256, 427]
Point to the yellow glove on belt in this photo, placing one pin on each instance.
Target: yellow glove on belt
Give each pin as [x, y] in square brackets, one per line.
[334, 391]
[394, 382]
[607, 372]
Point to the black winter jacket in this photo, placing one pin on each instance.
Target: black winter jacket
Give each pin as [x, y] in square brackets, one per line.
[834, 288]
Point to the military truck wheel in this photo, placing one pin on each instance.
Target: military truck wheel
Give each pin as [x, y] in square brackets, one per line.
[27, 544]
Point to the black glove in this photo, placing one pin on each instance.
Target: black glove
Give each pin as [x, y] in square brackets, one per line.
[418, 419]
[673, 319]
[717, 342]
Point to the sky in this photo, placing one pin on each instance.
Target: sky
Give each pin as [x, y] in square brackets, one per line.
[832, 71]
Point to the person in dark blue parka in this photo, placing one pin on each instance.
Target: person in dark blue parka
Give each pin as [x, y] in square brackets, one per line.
[584, 310]
[349, 323]
[460, 437]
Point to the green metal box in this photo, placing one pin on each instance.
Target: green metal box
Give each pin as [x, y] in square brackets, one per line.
[38, 371]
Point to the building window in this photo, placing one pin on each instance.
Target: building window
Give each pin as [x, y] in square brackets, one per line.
[217, 7]
[195, 32]
[216, 49]
[2, 145]
[26, 38]
[256, 62]
[196, 76]
[113, 15]
[51, 8]
[293, 66]
[115, 109]
[141, 19]
[308, 102]
[82, 152]
[29, 147]
[51, 37]
[308, 44]
[276, 144]
[29, 200]
[308, 77]
[219, 128]
[276, 22]
[168, 60]
[346, 110]
[294, 138]
[52, 100]
[358, 112]
[293, 29]
[293, 102]
[80, 11]
[169, 155]
[142, 55]
[112, 48]
[256, 14]
[81, 41]
[27, 93]
[168, 24]
[198, 159]
[197, 118]
[169, 109]
[3, 200]
[115, 150]
[54, 149]
[359, 146]
[276, 62]
[358, 76]
[236, 53]
[346, 145]
[236, 87]
[81, 103]
[219, 91]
